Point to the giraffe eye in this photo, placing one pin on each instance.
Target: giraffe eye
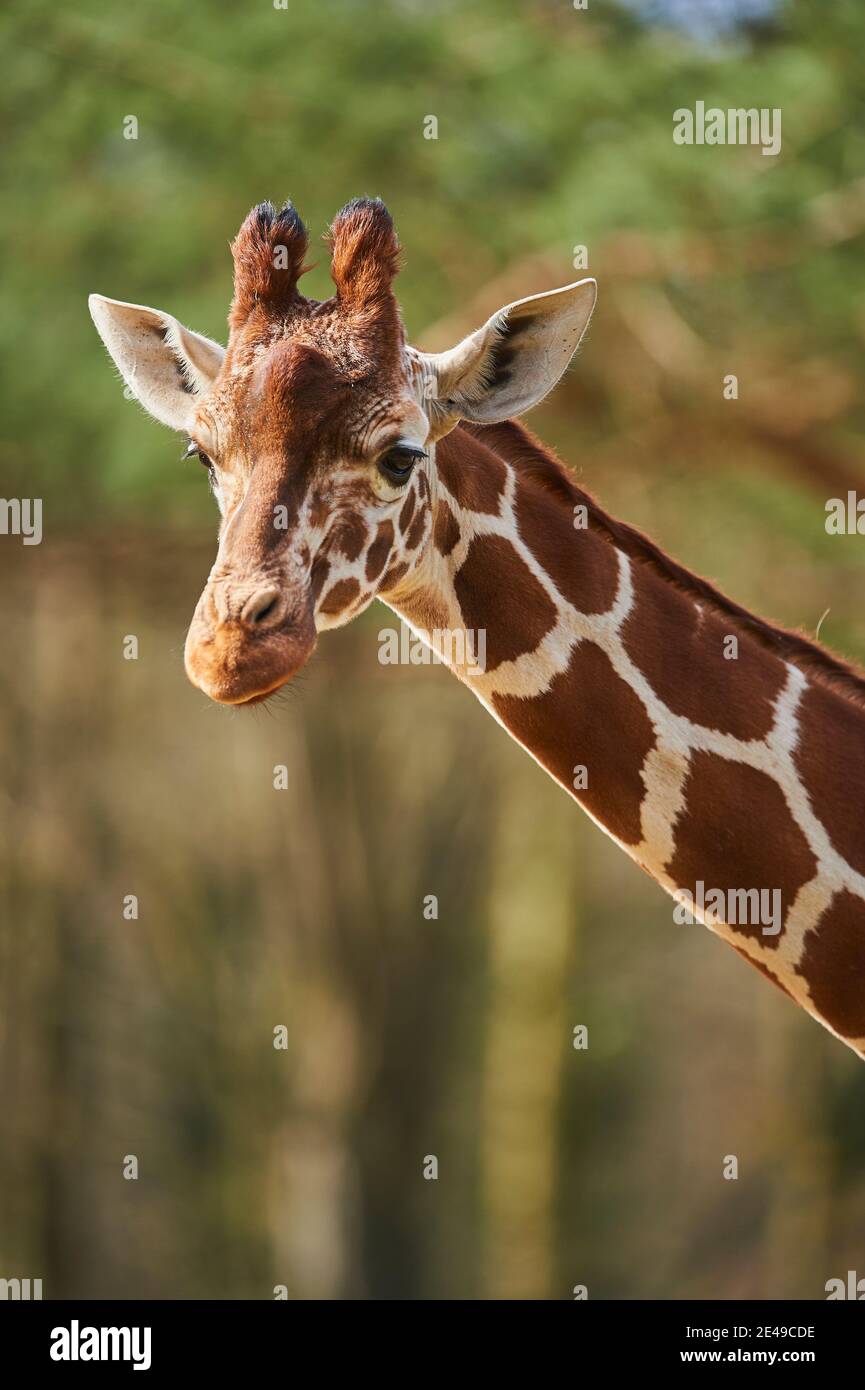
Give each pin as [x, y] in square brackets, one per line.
[397, 464]
[193, 451]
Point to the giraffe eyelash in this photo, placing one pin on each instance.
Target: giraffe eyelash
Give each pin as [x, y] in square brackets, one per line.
[194, 450]
[397, 463]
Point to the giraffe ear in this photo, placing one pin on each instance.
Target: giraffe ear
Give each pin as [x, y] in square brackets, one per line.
[165, 365]
[513, 361]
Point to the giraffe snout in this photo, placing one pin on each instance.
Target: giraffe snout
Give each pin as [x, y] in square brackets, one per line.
[248, 639]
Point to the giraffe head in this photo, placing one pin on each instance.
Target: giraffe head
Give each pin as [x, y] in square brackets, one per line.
[317, 426]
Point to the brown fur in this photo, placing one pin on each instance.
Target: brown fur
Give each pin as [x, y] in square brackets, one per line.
[702, 683]
[831, 760]
[365, 255]
[834, 965]
[476, 475]
[446, 532]
[589, 717]
[257, 279]
[716, 839]
[485, 584]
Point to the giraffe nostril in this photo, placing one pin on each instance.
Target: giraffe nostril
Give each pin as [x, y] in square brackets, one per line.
[263, 613]
[261, 608]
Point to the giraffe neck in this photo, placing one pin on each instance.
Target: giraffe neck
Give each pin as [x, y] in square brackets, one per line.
[726, 757]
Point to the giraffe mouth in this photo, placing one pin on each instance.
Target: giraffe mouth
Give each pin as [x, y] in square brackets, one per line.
[244, 701]
[242, 687]
[241, 693]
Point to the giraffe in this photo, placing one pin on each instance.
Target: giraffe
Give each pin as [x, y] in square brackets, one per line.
[724, 755]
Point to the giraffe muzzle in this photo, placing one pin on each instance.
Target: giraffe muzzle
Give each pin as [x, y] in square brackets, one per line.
[247, 640]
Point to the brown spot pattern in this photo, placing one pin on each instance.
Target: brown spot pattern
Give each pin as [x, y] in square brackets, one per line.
[831, 763]
[476, 476]
[581, 564]
[833, 964]
[680, 651]
[446, 532]
[589, 717]
[344, 592]
[317, 509]
[406, 513]
[485, 584]
[736, 832]
[379, 550]
[394, 574]
[318, 578]
[416, 530]
[350, 537]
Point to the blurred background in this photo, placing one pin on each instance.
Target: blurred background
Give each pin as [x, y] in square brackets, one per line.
[303, 908]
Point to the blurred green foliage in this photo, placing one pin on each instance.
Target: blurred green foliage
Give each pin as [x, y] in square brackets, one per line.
[554, 129]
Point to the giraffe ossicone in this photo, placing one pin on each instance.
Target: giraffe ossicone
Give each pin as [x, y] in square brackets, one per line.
[724, 755]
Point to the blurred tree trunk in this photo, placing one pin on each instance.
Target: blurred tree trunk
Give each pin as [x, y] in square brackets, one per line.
[533, 917]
